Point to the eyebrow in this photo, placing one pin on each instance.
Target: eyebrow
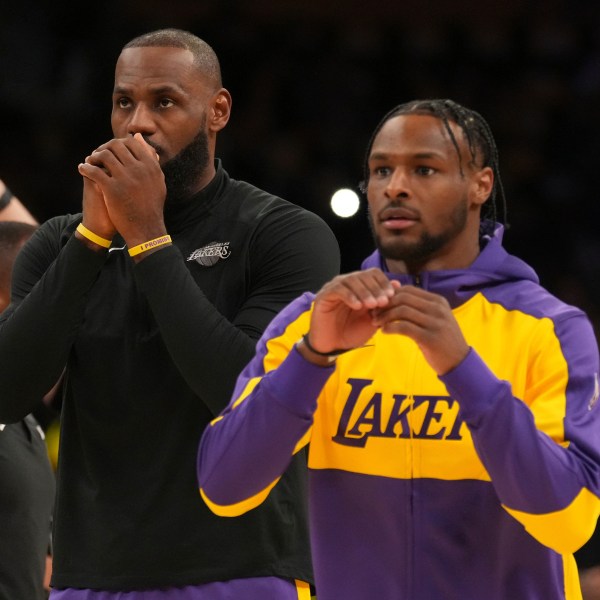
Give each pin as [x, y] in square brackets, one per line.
[418, 155]
[162, 89]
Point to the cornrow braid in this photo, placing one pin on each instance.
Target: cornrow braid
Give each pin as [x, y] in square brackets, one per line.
[479, 138]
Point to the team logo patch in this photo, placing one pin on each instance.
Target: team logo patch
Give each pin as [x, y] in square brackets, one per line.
[209, 255]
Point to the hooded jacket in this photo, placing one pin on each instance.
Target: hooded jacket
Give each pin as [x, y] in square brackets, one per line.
[480, 483]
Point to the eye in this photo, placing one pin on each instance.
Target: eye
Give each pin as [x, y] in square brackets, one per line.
[165, 103]
[123, 102]
[424, 171]
[380, 171]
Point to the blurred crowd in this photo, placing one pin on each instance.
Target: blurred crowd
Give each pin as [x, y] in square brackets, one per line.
[307, 82]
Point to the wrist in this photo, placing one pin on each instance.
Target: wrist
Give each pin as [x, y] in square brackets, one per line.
[308, 351]
[140, 251]
[91, 239]
[329, 353]
[99, 227]
[314, 357]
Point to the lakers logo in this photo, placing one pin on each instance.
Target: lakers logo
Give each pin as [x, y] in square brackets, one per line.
[209, 255]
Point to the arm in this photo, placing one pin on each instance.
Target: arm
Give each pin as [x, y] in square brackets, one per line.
[544, 463]
[50, 282]
[51, 278]
[267, 422]
[284, 267]
[542, 452]
[276, 395]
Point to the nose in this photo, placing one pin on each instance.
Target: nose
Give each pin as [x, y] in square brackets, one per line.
[397, 185]
[141, 121]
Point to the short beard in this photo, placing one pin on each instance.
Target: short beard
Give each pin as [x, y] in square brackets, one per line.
[419, 252]
[183, 171]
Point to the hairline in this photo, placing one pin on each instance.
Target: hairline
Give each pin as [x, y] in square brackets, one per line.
[204, 57]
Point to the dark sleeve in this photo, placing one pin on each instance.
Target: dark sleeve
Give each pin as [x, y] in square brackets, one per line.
[49, 287]
[289, 254]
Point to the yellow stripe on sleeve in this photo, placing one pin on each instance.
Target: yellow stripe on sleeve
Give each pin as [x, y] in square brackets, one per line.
[252, 383]
[564, 531]
[239, 508]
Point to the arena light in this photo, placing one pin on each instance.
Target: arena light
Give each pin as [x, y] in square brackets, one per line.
[345, 203]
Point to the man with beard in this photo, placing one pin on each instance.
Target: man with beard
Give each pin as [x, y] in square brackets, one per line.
[151, 301]
[450, 402]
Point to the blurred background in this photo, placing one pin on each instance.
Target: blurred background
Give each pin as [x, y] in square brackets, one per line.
[310, 80]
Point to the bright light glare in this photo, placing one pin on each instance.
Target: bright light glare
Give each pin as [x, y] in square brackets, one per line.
[345, 203]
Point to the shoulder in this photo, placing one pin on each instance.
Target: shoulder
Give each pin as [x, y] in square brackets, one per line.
[553, 318]
[281, 238]
[531, 298]
[255, 204]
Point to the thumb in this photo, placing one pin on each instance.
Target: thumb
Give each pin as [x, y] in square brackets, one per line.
[151, 151]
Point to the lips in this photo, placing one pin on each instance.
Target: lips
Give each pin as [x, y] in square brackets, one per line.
[397, 217]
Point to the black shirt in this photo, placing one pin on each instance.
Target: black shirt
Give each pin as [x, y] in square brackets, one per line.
[152, 353]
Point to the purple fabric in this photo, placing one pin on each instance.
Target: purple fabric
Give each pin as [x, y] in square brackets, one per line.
[256, 588]
[424, 538]
[294, 415]
[418, 549]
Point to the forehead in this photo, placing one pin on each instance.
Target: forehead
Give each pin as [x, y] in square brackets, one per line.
[156, 66]
[417, 134]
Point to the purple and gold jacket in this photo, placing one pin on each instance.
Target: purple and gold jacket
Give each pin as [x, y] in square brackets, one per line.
[479, 484]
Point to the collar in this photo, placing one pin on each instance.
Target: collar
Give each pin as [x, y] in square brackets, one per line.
[179, 215]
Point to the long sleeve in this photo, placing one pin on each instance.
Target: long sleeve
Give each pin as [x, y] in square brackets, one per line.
[542, 452]
[258, 437]
[290, 255]
[267, 421]
[37, 330]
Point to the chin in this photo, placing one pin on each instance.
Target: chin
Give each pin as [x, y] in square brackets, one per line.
[395, 249]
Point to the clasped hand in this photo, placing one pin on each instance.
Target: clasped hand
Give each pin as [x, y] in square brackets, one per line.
[352, 307]
[124, 190]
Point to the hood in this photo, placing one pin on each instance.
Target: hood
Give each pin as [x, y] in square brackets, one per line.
[493, 267]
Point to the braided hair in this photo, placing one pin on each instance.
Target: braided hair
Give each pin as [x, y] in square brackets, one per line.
[479, 138]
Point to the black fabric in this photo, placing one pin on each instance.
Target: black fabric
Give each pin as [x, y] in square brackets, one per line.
[152, 352]
[26, 501]
[589, 555]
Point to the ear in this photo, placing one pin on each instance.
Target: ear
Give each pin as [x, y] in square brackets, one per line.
[220, 110]
[482, 185]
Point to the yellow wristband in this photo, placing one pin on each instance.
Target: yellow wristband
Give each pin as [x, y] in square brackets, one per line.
[90, 235]
[155, 243]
